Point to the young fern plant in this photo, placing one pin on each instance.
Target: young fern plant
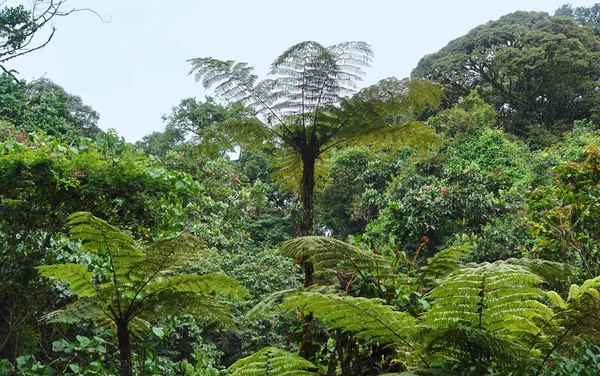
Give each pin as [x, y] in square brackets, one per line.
[140, 285]
[486, 316]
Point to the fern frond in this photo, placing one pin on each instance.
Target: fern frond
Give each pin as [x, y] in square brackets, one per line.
[271, 361]
[444, 262]
[549, 271]
[393, 137]
[167, 303]
[263, 308]
[77, 276]
[332, 255]
[385, 107]
[288, 173]
[498, 297]
[479, 346]
[167, 254]
[208, 284]
[96, 235]
[81, 310]
[249, 132]
[367, 319]
[577, 319]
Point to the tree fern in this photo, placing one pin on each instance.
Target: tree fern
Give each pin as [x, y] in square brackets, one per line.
[311, 105]
[271, 361]
[143, 285]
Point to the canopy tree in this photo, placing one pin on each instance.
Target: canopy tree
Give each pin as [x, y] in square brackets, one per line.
[186, 123]
[534, 68]
[311, 107]
[27, 29]
[584, 16]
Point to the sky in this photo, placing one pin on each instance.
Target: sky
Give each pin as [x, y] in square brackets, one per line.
[131, 66]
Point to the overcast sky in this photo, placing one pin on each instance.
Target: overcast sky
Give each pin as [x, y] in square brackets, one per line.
[133, 69]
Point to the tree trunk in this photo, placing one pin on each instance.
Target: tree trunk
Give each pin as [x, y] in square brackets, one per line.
[307, 224]
[306, 228]
[126, 367]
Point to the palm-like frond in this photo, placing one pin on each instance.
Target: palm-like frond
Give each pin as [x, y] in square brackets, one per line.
[96, 235]
[381, 115]
[549, 271]
[472, 348]
[166, 255]
[206, 285]
[77, 276]
[497, 297]
[271, 361]
[144, 285]
[444, 262]
[576, 319]
[487, 313]
[332, 255]
[289, 167]
[79, 311]
[367, 319]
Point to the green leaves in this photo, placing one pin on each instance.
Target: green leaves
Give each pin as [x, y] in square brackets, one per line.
[534, 69]
[367, 319]
[486, 314]
[142, 285]
[77, 276]
[331, 255]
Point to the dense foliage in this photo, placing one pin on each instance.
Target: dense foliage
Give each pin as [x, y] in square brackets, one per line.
[355, 232]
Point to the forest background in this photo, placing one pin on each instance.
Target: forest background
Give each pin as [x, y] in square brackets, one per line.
[440, 224]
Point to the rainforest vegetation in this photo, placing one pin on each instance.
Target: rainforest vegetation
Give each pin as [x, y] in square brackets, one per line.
[441, 224]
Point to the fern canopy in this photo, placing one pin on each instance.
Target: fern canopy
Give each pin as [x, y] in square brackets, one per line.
[271, 361]
[142, 284]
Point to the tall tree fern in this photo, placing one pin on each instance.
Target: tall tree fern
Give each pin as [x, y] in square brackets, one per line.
[140, 286]
[311, 106]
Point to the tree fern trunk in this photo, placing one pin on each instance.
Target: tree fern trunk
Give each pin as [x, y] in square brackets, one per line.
[126, 368]
[307, 224]
[306, 228]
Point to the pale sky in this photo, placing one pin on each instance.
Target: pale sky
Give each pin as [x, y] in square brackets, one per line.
[133, 69]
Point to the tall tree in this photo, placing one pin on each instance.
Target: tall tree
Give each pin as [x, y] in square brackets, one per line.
[537, 70]
[186, 122]
[584, 16]
[25, 30]
[44, 105]
[311, 107]
[45, 95]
